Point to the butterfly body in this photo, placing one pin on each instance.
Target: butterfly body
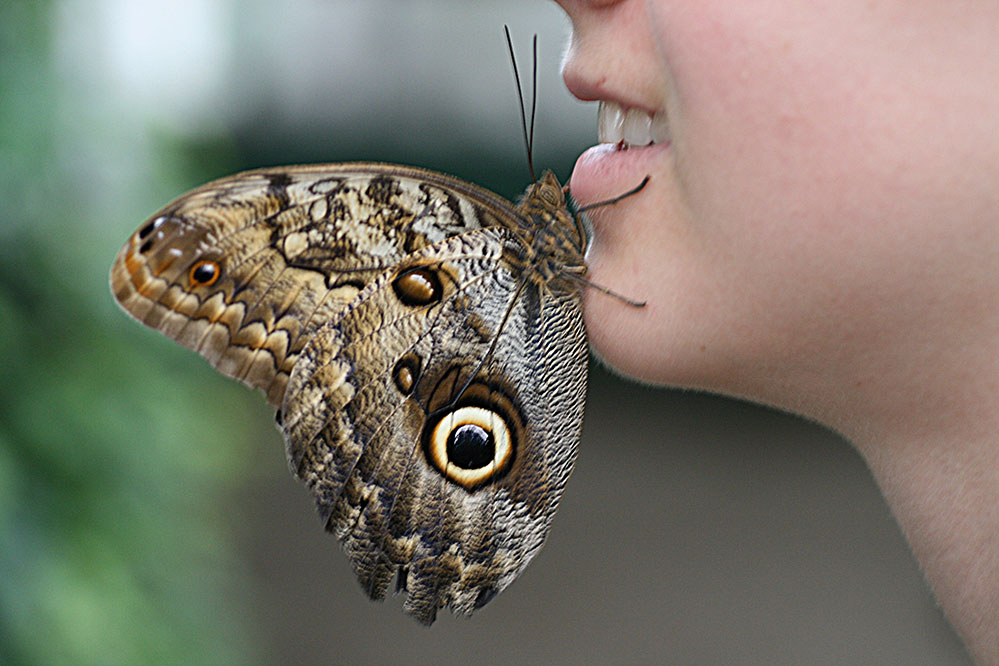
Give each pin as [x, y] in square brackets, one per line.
[421, 337]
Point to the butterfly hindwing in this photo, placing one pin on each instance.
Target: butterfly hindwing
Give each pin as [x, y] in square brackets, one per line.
[377, 391]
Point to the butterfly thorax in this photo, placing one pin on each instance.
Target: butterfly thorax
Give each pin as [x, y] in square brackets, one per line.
[555, 240]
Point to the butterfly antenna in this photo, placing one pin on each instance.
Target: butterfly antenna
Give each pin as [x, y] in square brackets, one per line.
[534, 104]
[528, 136]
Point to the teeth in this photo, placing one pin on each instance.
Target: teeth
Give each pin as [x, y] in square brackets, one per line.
[610, 122]
[637, 128]
[631, 127]
[660, 128]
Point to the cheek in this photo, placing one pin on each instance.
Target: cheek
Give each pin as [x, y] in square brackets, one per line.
[796, 221]
[728, 244]
[644, 249]
[759, 105]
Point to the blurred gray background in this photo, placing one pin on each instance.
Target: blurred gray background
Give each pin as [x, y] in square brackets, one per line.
[146, 511]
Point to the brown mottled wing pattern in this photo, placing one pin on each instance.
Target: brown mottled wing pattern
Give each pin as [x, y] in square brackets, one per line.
[422, 337]
[360, 438]
[293, 245]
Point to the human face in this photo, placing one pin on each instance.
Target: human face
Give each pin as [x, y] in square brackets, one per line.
[829, 175]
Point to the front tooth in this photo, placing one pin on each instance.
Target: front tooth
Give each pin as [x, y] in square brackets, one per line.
[660, 128]
[610, 117]
[637, 128]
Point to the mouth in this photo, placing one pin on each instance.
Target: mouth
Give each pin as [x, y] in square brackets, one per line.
[630, 127]
[631, 140]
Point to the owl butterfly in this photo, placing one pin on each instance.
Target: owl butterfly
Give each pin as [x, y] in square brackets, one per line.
[421, 339]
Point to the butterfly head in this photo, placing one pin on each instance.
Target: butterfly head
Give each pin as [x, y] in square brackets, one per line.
[548, 192]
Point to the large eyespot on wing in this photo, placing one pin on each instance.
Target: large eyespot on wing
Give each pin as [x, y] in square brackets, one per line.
[245, 268]
[434, 449]
[473, 429]
[470, 445]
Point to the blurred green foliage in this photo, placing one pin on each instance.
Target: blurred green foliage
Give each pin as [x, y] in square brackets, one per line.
[116, 449]
[120, 452]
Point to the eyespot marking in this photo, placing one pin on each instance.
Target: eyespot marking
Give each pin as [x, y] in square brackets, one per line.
[151, 227]
[471, 445]
[204, 273]
[406, 373]
[418, 286]
[151, 234]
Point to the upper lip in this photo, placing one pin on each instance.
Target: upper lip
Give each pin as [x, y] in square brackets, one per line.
[597, 89]
[589, 90]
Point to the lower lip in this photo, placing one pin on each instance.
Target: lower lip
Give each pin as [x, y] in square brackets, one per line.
[605, 171]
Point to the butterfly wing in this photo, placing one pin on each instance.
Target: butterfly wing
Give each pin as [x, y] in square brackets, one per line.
[431, 381]
[244, 269]
[436, 420]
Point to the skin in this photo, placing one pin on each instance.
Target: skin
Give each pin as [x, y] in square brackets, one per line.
[821, 234]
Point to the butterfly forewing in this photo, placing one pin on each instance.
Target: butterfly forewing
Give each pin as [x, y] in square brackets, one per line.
[291, 246]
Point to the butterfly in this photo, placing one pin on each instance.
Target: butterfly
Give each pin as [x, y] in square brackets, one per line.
[421, 339]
